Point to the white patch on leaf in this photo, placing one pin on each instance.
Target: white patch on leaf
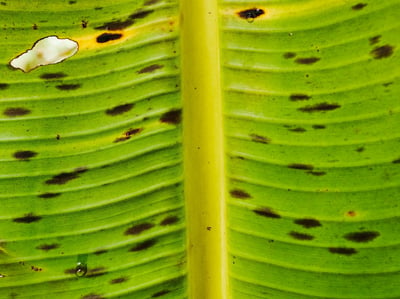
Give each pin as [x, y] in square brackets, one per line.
[48, 50]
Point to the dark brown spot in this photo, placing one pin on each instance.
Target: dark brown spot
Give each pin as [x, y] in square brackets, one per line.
[251, 13]
[65, 177]
[267, 212]
[121, 139]
[301, 166]
[299, 97]
[27, 218]
[318, 127]
[301, 236]
[93, 296]
[84, 24]
[307, 60]
[397, 161]
[70, 271]
[375, 39]
[132, 132]
[49, 195]
[4, 86]
[150, 2]
[119, 109]
[143, 245]
[321, 107]
[342, 250]
[118, 280]
[150, 68]
[382, 52]
[360, 149]
[260, 139]
[16, 111]
[308, 222]
[68, 86]
[237, 193]
[95, 272]
[49, 76]
[317, 173]
[58, 137]
[209, 228]
[98, 8]
[169, 220]
[351, 213]
[140, 14]
[362, 237]
[72, 2]
[359, 6]
[100, 251]
[35, 27]
[387, 84]
[289, 55]
[47, 247]
[160, 293]
[138, 229]
[3, 3]
[172, 117]
[297, 130]
[115, 25]
[106, 37]
[24, 155]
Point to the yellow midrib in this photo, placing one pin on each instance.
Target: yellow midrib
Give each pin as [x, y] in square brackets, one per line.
[203, 150]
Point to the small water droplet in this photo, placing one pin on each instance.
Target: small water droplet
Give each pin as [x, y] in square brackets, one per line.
[250, 19]
[80, 270]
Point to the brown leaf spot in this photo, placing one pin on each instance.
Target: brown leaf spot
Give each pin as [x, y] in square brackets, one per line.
[50, 76]
[301, 236]
[68, 86]
[16, 111]
[318, 127]
[93, 296]
[25, 155]
[120, 109]
[118, 280]
[150, 68]
[359, 6]
[301, 166]
[251, 13]
[150, 2]
[299, 97]
[95, 272]
[289, 55]
[143, 245]
[397, 161]
[100, 251]
[375, 39]
[106, 37]
[297, 130]
[321, 107]
[138, 229]
[308, 222]
[360, 149]
[27, 218]
[160, 293]
[343, 250]
[362, 237]
[172, 117]
[307, 60]
[115, 25]
[49, 195]
[241, 194]
[260, 139]
[140, 14]
[132, 132]
[65, 177]
[4, 86]
[317, 173]
[47, 247]
[169, 220]
[382, 52]
[267, 212]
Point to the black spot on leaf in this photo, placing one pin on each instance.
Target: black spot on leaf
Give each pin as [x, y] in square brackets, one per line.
[267, 212]
[317, 173]
[138, 229]
[16, 111]
[169, 220]
[397, 161]
[251, 13]
[237, 193]
[318, 127]
[100, 251]
[301, 166]
[143, 245]
[93, 296]
[382, 52]
[106, 37]
[301, 236]
[360, 149]
[299, 97]
[72, 2]
[47, 247]
[68, 86]
[362, 237]
[375, 39]
[65, 177]
[343, 250]
[4, 86]
[297, 130]
[115, 25]
[24, 155]
[84, 24]
[160, 293]
[121, 139]
[132, 132]
[307, 60]
[140, 14]
[289, 55]
[49, 76]
[308, 222]
[95, 272]
[118, 280]
[321, 107]
[150, 68]
[172, 117]
[27, 218]
[49, 195]
[359, 6]
[260, 139]
[117, 110]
